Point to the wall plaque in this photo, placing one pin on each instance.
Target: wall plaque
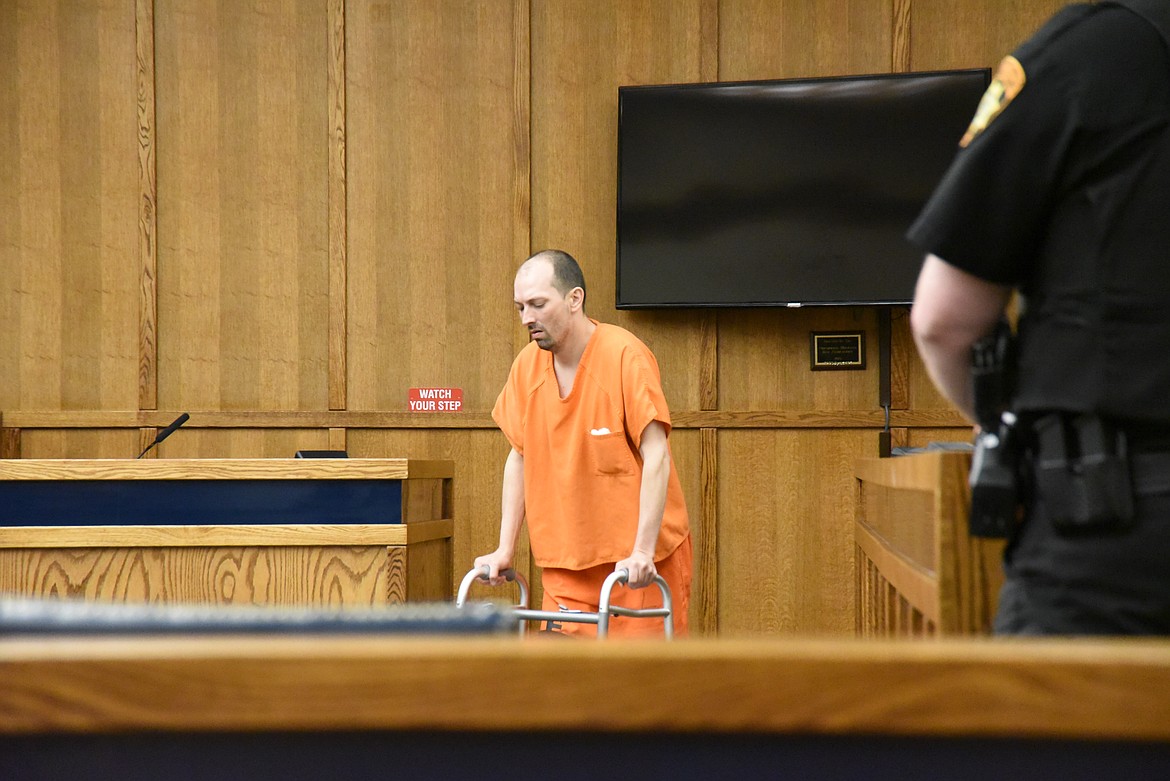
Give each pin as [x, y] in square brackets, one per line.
[836, 350]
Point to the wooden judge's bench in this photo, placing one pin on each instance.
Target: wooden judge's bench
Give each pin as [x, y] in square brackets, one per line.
[308, 532]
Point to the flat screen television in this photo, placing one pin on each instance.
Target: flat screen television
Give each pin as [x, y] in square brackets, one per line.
[796, 192]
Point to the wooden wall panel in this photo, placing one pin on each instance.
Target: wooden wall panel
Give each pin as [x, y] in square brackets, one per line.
[193, 442]
[686, 448]
[785, 552]
[581, 54]
[782, 39]
[764, 361]
[242, 164]
[11, 197]
[79, 443]
[303, 576]
[437, 122]
[190, 442]
[479, 469]
[68, 191]
[972, 33]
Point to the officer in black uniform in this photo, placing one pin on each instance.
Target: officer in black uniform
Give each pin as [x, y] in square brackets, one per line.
[1061, 191]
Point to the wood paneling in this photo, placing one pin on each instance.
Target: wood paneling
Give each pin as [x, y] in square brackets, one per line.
[972, 33]
[581, 54]
[95, 441]
[689, 451]
[435, 125]
[338, 226]
[243, 204]
[68, 191]
[785, 551]
[782, 39]
[326, 575]
[10, 442]
[79, 443]
[241, 443]
[705, 527]
[479, 471]
[428, 572]
[764, 361]
[147, 208]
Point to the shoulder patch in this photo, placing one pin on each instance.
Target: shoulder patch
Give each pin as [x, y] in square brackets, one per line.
[1008, 81]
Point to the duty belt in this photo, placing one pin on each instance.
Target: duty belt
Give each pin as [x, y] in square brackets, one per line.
[1150, 473]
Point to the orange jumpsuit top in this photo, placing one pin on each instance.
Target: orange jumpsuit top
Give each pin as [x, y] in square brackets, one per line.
[582, 467]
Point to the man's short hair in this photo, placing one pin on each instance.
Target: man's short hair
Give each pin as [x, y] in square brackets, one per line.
[566, 271]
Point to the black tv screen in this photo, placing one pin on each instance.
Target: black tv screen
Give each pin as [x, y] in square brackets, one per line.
[782, 193]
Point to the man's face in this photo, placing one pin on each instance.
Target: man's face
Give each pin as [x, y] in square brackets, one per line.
[542, 309]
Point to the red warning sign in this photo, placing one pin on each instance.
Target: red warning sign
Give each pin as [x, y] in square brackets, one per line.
[436, 399]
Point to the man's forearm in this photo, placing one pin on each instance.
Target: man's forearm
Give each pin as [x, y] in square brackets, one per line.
[652, 497]
[512, 503]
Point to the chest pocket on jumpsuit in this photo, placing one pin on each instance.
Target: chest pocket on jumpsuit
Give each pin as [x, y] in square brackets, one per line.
[610, 454]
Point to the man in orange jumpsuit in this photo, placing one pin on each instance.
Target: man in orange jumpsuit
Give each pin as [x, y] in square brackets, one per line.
[590, 467]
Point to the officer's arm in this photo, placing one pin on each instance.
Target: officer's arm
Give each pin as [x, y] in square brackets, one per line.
[652, 501]
[952, 310]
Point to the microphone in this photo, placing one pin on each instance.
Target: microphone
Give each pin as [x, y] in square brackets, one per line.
[166, 432]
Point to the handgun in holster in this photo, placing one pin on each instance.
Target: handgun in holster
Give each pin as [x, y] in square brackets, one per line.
[995, 465]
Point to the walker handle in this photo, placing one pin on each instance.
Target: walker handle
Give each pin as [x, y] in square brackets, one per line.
[623, 576]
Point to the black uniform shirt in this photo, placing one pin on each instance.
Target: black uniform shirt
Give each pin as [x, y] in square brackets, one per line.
[1054, 198]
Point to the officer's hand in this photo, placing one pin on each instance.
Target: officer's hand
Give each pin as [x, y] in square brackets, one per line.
[641, 568]
[496, 562]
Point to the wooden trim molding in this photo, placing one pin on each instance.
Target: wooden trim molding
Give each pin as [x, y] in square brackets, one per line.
[706, 543]
[343, 419]
[300, 535]
[225, 469]
[9, 442]
[147, 208]
[900, 61]
[338, 234]
[709, 361]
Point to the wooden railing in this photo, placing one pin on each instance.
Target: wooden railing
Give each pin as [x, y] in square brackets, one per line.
[919, 572]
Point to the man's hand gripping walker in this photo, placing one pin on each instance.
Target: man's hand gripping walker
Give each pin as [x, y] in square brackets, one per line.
[601, 617]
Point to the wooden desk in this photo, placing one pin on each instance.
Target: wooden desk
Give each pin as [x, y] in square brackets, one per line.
[510, 708]
[919, 572]
[252, 531]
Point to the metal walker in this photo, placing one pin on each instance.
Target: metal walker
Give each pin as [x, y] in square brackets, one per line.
[600, 618]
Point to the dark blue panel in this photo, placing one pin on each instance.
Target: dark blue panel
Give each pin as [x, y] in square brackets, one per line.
[539, 755]
[198, 502]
